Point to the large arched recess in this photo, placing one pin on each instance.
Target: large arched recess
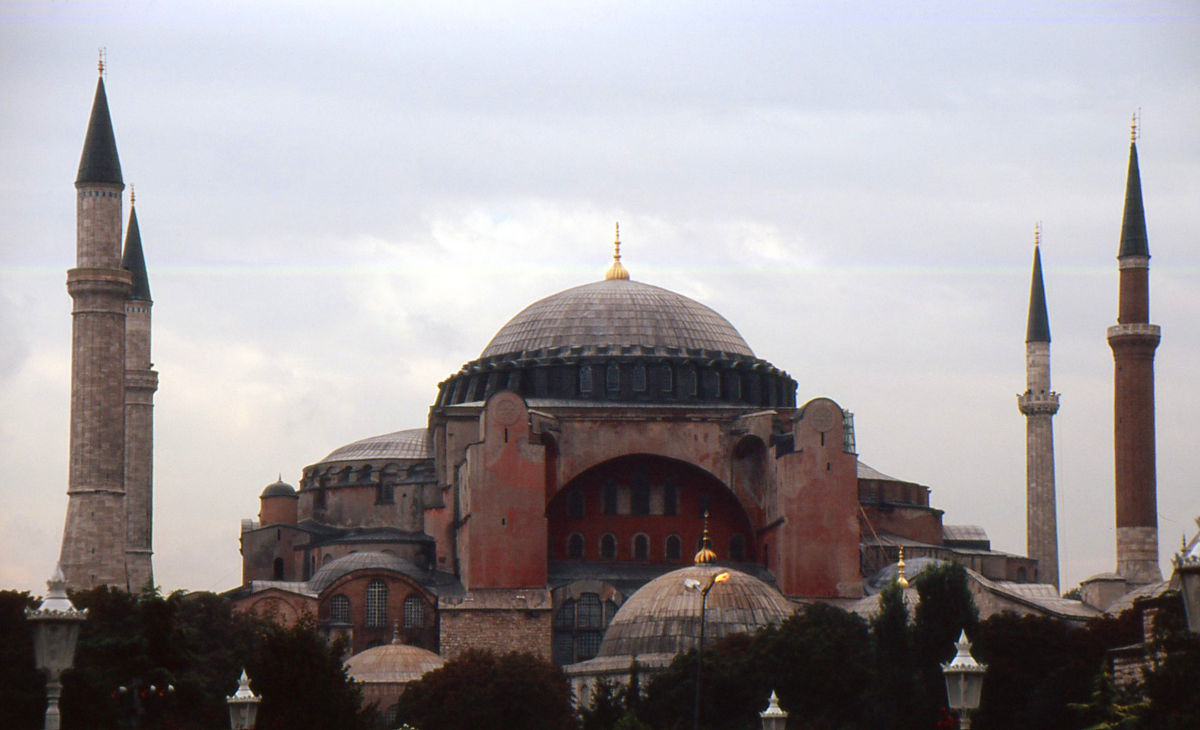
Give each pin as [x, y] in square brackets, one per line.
[629, 499]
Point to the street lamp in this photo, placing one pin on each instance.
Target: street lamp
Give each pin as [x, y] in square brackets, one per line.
[964, 681]
[694, 585]
[56, 625]
[243, 705]
[773, 718]
[1187, 567]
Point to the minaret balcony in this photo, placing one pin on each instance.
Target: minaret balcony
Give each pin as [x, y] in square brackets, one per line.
[1135, 333]
[1042, 402]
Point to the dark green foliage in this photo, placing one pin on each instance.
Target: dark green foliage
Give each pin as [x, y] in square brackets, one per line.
[891, 700]
[478, 690]
[946, 609]
[22, 688]
[194, 644]
[1172, 689]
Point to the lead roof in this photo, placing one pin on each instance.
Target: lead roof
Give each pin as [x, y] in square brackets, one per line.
[1133, 223]
[99, 162]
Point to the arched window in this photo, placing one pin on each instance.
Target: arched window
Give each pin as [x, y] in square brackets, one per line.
[670, 499]
[1022, 574]
[639, 378]
[612, 377]
[641, 547]
[667, 380]
[277, 569]
[608, 546]
[339, 609]
[576, 506]
[575, 546]
[674, 547]
[737, 547]
[639, 498]
[377, 597]
[610, 499]
[414, 612]
[585, 379]
[579, 625]
[588, 613]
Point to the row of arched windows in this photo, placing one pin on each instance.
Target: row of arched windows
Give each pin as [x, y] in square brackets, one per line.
[640, 547]
[413, 608]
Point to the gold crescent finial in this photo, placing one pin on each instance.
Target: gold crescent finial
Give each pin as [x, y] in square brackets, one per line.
[705, 555]
[900, 579]
[1133, 127]
[617, 271]
[100, 62]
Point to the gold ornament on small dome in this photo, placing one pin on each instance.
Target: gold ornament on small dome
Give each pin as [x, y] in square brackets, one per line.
[900, 579]
[706, 555]
[617, 271]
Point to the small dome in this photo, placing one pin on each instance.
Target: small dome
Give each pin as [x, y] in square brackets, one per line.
[278, 488]
[365, 560]
[392, 663]
[410, 444]
[663, 616]
[617, 313]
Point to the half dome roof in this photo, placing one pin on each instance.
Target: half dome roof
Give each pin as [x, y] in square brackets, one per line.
[616, 313]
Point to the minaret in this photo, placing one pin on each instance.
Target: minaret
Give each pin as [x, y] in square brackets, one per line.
[1039, 404]
[1133, 341]
[141, 381]
[93, 548]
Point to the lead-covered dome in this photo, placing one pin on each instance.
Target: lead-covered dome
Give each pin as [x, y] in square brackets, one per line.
[617, 313]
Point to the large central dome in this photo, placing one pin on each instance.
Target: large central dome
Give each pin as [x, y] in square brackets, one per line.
[617, 313]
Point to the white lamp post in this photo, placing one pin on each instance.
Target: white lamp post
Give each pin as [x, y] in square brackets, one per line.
[1187, 567]
[964, 681]
[56, 625]
[243, 705]
[773, 718]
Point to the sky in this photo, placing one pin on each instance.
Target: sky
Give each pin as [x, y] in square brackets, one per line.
[341, 203]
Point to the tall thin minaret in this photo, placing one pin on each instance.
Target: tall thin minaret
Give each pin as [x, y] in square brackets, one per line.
[1039, 404]
[1133, 341]
[141, 381]
[93, 548]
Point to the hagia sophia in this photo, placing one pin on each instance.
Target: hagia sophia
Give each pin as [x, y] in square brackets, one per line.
[610, 442]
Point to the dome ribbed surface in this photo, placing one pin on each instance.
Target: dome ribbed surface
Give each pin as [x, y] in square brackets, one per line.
[617, 313]
[392, 663]
[410, 444]
[663, 616]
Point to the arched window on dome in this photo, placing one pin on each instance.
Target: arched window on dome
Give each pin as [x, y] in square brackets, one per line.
[414, 612]
[667, 382]
[639, 378]
[339, 609]
[737, 547]
[377, 597]
[585, 379]
[608, 546]
[612, 377]
[641, 547]
[575, 546]
[674, 547]
[688, 381]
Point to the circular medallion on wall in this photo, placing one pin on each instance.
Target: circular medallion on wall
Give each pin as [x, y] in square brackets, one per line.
[822, 416]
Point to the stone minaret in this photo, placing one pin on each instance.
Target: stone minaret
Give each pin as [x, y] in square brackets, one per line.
[93, 549]
[1133, 341]
[140, 383]
[1039, 404]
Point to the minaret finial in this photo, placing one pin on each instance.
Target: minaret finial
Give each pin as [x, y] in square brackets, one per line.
[617, 271]
[100, 62]
[900, 579]
[1133, 127]
[132, 196]
[705, 555]
[1037, 234]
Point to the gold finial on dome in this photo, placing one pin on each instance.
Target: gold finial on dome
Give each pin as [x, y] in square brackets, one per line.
[706, 555]
[617, 271]
[396, 633]
[900, 579]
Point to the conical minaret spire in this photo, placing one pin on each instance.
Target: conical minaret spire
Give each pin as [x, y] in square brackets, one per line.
[1039, 404]
[1133, 341]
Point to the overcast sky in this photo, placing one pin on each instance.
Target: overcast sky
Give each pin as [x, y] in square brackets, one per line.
[340, 204]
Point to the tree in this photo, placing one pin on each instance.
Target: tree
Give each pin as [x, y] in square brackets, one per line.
[946, 609]
[22, 688]
[890, 701]
[479, 689]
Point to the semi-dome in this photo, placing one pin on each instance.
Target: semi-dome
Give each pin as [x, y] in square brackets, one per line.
[412, 443]
[617, 313]
[364, 560]
[663, 616]
[278, 488]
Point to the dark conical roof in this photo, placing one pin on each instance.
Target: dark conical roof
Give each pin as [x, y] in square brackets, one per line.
[133, 261]
[1133, 225]
[1038, 327]
[99, 162]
